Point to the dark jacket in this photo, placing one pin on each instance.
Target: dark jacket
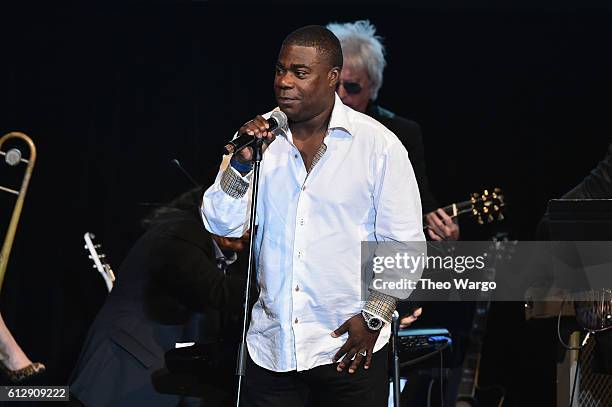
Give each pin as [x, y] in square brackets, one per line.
[409, 133]
[166, 285]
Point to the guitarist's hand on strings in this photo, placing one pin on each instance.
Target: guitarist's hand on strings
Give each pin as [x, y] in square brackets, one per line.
[440, 226]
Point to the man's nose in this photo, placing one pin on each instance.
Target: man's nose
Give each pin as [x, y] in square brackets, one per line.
[284, 81]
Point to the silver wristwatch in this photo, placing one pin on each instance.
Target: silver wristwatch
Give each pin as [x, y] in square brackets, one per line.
[374, 323]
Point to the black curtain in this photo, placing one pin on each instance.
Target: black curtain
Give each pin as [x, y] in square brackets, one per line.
[509, 97]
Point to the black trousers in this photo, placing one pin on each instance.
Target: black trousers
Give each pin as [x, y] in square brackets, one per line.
[318, 387]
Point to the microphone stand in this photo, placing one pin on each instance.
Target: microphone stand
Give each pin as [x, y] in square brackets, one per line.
[242, 351]
[396, 361]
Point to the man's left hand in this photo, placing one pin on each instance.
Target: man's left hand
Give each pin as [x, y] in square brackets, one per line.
[441, 226]
[360, 340]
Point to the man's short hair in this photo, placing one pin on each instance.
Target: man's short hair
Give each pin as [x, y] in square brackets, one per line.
[363, 49]
[320, 38]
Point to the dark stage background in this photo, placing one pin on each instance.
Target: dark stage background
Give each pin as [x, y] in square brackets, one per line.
[509, 96]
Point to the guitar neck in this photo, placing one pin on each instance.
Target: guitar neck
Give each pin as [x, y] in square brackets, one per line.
[458, 208]
[103, 267]
[471, 363]
[484, 207]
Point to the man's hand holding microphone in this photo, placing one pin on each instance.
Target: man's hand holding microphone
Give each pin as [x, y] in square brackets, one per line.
[256, 129]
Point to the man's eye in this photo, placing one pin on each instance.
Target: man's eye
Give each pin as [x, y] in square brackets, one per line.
[279, 70]
[300, 74]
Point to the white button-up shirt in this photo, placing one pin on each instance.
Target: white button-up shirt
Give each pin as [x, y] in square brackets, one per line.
[310, 227]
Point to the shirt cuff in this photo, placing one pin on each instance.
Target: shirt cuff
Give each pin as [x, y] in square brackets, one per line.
[233, 184]
[380, 305]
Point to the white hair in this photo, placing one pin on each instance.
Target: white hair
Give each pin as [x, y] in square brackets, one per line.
[363, 49]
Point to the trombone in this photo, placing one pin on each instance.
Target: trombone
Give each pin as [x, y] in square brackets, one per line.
[13, 157]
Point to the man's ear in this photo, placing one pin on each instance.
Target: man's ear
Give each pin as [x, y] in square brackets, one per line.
[333, 76]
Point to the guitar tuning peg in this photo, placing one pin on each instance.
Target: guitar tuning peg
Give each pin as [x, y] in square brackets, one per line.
[485, 209]
[500, 216]
[97, 246]
[94, 266]
[89, 256]
[480, 221]
[496, 208]
[85, 247]
[474, 212]
[102, 256]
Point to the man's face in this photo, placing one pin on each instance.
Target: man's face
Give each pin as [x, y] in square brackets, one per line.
[304, 82]
[355, 88]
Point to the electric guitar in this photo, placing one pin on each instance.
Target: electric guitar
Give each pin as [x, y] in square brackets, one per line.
[99, 260]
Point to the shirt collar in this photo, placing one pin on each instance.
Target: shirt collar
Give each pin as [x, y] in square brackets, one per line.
[339, 118]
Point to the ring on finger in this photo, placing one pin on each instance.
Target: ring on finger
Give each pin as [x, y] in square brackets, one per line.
[363, 353]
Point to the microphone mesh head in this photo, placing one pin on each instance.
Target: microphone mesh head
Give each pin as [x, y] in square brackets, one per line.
[281, 119]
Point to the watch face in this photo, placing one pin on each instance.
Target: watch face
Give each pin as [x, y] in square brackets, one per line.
[375, 324]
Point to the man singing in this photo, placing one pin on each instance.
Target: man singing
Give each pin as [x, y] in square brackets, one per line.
[334, 178]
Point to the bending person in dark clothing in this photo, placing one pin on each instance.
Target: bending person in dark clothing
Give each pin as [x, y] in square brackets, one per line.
[176, 275]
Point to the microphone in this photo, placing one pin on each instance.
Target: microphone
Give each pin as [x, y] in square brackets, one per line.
[278, 120]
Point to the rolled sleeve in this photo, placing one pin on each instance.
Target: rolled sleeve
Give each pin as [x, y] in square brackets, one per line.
[380, 305]
[225, 204]
[233, 183]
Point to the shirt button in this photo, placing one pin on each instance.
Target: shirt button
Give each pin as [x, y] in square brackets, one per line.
[295, 156]
[296, 321]
[303, 187]
[301, 222]
[297, 288]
